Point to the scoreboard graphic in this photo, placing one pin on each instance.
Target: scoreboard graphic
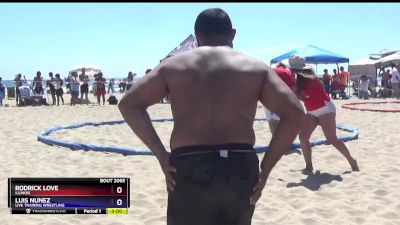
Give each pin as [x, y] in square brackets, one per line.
[68, 195]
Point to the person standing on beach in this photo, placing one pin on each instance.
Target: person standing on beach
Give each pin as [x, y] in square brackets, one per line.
[37, 84]
[130, 80]
[18, 83]
[50, 84]
[288, 78]
[395, 81]
[59, 91]
[74, 88]
[320, 111]
[363, 88]
[385, 77]
[110, 86]
[343, 80]
[212, 172]
[335, 85]
[2, 91]
[101, 87]
[327, 79]
[84, 87]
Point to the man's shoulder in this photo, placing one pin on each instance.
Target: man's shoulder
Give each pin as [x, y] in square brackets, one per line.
[207, 52]
[211, 58]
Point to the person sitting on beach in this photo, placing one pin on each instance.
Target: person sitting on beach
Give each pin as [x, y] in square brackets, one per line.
[50, 84]
[18, 83]
[2, 91]
[213, 173]
[320, 111]
[84, 87]
[100, 87]
[363, 88]
[59, 91]
[37, 84]
[288, 78]
[74, 88]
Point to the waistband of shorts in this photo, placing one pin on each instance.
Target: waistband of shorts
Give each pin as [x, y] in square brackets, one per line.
[204, 149]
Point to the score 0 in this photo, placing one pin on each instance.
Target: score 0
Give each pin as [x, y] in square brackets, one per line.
[120, 190]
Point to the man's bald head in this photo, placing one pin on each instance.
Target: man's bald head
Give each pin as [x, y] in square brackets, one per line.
[213, 27]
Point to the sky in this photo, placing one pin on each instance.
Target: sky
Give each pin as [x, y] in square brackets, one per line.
[123, 37]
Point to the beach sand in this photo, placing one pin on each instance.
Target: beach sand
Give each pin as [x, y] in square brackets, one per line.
[333, 195]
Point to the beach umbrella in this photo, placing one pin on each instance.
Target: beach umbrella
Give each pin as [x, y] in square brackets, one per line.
[90, 70]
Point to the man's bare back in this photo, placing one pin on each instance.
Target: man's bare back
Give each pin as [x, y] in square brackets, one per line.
[214, 93]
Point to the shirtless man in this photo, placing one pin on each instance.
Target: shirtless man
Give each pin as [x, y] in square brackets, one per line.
[37, 84]
[18, 83]
[212, 173]
[50, 84]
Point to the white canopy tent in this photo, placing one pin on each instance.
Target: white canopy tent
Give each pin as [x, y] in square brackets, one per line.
[389, 60]
[370, 65]
[364, 66]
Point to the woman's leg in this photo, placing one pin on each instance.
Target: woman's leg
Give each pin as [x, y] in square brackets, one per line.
[328, 125]
[309, 124]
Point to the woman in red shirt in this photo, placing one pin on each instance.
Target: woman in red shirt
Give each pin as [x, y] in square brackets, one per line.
[320, 111]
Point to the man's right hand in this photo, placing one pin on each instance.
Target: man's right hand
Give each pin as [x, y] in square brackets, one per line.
[168, 169]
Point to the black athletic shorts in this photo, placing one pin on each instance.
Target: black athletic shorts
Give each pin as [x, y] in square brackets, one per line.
[52, 91]
[84, 88]
[59, 92]
[213, 185]
[38, 90]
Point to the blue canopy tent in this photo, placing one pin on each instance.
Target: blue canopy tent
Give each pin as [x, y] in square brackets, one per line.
[314, 55]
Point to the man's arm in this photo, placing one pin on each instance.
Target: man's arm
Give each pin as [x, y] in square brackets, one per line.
[145, 92]
[133, 106]
[279, 99]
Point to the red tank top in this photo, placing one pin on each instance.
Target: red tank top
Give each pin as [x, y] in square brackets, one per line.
[313, 95]
[286, 76]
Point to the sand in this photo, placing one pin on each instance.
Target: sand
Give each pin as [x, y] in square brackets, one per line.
[333, 195]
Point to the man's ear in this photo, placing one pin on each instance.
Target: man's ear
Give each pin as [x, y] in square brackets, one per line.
[199, 37]
[233, 33]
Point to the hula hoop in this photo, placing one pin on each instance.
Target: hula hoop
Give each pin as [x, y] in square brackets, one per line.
[44, 137]
[350, 106]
